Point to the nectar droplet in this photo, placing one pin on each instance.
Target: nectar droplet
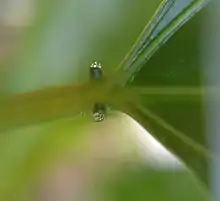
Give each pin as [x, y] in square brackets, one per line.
[99, 112]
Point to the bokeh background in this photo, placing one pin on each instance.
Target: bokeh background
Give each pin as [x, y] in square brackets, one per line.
[116, 159]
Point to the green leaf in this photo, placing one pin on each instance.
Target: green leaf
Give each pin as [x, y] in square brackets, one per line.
[148, 184]
[177, 64]
[171, 16]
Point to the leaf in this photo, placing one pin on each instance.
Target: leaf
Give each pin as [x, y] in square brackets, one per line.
[177, 65]
[148, 184]
[171, 16]
[193, 154]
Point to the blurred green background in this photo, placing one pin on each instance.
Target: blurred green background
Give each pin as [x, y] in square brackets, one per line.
[52, 43]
